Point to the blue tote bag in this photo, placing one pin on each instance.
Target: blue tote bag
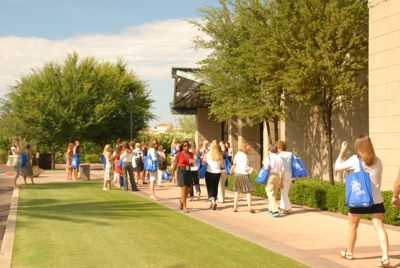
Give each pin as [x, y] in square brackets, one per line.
[75, 161]
[228, 166]
[358, 189]
[165, 175]
[262, 177]
[23, 159]
[298, 167]
[149, 164]
[202, 172]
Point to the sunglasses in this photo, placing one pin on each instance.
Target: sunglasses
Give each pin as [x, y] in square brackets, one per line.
[186, 145]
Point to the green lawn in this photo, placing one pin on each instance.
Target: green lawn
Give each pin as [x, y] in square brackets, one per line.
[79, 225]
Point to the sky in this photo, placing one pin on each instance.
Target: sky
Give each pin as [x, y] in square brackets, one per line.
[151, 36]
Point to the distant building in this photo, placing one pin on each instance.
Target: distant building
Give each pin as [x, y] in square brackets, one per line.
[160, 128]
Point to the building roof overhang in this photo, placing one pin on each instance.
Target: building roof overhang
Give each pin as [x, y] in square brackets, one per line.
[186, 97]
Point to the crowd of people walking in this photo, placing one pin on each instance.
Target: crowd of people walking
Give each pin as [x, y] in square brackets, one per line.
[132, 163]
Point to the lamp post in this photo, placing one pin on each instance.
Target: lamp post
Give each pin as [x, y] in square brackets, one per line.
[130, 100]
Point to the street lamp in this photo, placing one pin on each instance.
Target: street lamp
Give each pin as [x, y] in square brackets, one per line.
[130, 100]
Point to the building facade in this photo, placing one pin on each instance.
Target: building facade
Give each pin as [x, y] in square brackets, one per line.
[377, 112]
[384, 84]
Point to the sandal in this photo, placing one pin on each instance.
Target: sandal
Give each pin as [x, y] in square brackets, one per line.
[346, 255]
[384, 263]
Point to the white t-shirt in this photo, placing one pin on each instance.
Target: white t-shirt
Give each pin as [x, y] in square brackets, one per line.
[230, 152]
[273, 161]
[14, 150]
[195, 166]
[126, 158]
[152, 152]
[242, 163]
[287, 161]
[375, 174]
[213, 166]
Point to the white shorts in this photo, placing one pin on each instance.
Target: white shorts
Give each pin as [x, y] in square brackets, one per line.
[153, 175]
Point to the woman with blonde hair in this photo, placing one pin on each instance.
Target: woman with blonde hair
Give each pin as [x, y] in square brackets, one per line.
[366, 158]
[153, 175]
[68, 160]
[107, 169]
[137, 162]
[77, 155]
[16, 151]
[215, 162]
[117, 167]
[242, 171]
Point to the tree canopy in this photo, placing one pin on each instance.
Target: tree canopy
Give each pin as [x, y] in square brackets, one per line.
[268, 54]
[79, 98]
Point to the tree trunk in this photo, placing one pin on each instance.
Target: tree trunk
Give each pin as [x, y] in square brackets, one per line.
[269, 133]
[276, 121]
[53, 157]
[327, 118]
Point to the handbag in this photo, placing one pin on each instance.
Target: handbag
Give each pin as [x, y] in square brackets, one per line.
[121, 180]
[298, 168]
[165, 175]
[262, 177]
[120, 163]
[163, 163]
[149, 164]
[228, 166]
[202, 171]
[12, 160]
[75, 161]
[358, 189]
[24, 159]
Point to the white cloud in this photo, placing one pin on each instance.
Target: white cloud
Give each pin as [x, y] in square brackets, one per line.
[149, 49]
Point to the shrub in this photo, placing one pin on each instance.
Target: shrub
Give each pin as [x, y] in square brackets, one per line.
[3, 156]
[325, 196]
[90, 158]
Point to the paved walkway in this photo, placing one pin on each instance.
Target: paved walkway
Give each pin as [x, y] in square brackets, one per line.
[307, 235]
[6, 189]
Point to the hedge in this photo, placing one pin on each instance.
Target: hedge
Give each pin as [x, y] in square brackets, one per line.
[320, 194]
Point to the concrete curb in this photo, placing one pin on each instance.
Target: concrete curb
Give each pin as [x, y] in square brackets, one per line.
[7, 246]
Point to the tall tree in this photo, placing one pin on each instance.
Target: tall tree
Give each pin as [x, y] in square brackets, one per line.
[187, 124]
[239, 85]
[325, 48]
[80, 98]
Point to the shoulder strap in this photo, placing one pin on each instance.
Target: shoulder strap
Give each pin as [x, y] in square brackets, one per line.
[360, 163]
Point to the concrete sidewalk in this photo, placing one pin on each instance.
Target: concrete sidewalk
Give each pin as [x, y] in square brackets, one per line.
[307, 235]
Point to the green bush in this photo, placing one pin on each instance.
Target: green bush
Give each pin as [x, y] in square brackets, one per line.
[90, 158]
[3, 156]
[165, 139]
[321, 194]
[91, 148]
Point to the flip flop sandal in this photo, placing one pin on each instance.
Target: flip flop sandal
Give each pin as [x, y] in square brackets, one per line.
[346, 255]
